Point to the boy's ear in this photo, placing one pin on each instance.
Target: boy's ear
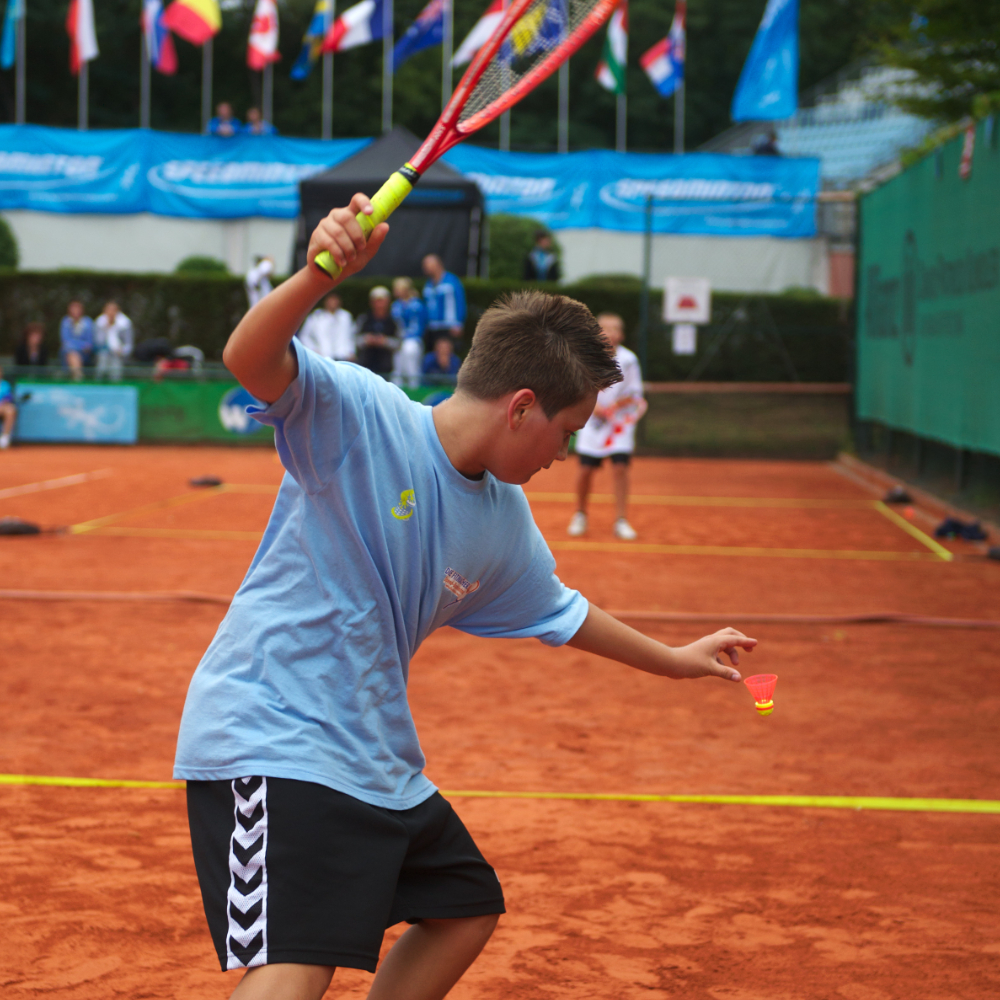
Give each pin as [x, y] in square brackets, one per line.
[519, 407]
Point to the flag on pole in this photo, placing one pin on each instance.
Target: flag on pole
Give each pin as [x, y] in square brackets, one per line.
[611, 69]
[196, 21]
[480, 34]
[8, 44]
[312, 40]
[664, 62]
[358, 25]
[82, 34]
[537, 31]
[262, 46]
[159, 41]
[768, 89]
[426, 31]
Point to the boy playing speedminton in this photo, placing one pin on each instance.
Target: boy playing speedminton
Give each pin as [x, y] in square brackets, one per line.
[312, 823]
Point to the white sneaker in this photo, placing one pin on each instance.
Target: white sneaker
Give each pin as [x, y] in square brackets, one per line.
[625, 531]
[577, 524]
[4, 440]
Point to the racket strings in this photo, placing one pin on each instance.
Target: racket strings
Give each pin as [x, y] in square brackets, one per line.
[544, 26]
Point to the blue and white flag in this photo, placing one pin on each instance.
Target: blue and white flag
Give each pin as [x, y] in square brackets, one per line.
[8, 43]
[426, 31]
[540, 30]
[769, 84]
[664, 62]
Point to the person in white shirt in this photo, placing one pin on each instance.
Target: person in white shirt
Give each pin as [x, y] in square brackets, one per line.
[258, 280]
[329, 331]
[611, 432]
[114, 339]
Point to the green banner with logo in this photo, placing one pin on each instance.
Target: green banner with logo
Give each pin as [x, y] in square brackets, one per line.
[929, 296]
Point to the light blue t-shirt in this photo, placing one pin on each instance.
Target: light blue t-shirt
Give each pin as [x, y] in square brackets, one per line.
[375, 541]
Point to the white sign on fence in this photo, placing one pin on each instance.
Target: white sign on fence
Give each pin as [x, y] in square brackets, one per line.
[685, 338]
[687, 300]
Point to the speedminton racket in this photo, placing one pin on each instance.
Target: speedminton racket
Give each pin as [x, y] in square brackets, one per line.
[532, 41]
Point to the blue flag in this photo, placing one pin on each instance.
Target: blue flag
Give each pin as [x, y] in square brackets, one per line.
[8, 43]
[312, 40]
[427, 30]
[769, 84]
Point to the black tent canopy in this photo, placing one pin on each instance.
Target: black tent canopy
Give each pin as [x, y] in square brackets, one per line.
[443, 214]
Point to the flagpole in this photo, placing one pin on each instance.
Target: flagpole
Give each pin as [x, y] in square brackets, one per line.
[327, 123]
[206, 84]
[621, 122]
[19, 79]
[387, 65]
[267, 93]
[447, 45]
[679, 118]
[144, 81]
[83, 96]
[563, 140]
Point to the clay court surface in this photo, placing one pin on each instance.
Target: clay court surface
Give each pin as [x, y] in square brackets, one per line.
[607, 899]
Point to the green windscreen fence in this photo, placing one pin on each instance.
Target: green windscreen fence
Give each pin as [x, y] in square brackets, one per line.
[929, 297]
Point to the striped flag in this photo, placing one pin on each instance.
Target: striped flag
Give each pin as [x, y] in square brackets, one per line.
[480, 33]
[262, 46]
[312, 40]
[82, 34]
[196, 21]
[664, 62]
[614, 59]
[358, 25]
[159, 41]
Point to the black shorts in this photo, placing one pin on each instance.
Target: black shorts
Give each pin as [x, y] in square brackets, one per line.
[618, 458]
[292, 871]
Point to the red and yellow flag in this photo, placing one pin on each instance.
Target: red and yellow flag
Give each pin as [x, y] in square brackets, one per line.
[196, 21]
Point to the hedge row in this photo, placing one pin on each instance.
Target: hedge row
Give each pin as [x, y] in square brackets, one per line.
[762, 333]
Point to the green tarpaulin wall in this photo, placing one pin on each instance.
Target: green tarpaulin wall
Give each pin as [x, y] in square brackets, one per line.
[929, 298]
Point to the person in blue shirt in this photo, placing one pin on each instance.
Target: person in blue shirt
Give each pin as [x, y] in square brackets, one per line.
[224, 123]
[313, 825]
[76, 339]
[8, 412]
[256, 125]
[442, 361]
[444, 297]
[410, 314]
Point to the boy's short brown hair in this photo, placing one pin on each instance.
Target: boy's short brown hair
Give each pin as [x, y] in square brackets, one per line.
[550, 344]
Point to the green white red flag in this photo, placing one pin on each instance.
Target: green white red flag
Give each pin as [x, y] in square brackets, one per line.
[611, 69]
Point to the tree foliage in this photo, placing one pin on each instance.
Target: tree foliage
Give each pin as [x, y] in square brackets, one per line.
[719, 36]
[952, 47]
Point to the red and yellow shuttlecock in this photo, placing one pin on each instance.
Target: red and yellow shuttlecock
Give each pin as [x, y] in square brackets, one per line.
[762, 688]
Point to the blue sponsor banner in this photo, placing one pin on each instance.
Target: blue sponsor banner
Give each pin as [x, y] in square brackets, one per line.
[85, 413]
[695, 194]
[134, 170]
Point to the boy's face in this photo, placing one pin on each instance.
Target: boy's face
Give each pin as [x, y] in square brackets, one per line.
[534, 442]
[75, 310]
[611, 330]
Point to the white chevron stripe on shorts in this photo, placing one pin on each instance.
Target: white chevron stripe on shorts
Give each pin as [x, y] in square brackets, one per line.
[246, 901]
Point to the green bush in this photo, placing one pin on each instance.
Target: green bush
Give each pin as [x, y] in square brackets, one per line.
[760, 331]
[512, 238]
[10, 255]
[201, 265]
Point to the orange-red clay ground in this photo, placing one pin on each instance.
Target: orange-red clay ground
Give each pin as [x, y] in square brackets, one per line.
[606, 899]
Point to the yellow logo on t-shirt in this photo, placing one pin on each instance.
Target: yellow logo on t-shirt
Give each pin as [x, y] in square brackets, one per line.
[407, 501]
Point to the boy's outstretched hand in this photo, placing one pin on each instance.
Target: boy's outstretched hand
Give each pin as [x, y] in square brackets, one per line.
[341, 235]
[607, 636]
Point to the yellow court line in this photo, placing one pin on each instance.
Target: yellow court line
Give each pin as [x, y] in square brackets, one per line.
[184, 498]
[987, 806]
[738, 551]
[672, 501]
[939, 550]
[206, 534]
[54, 484]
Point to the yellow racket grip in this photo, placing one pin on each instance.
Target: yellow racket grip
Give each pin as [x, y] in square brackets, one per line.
[385, 201]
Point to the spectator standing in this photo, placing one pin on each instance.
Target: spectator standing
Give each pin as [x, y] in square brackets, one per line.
[114, 339]
[766, 144]
[329, 331]
[377, 335]
[410, 315]
[224, 123]
[258, 279]
[442, 361]
[31, 349]
[611, 432]
[444, 297]
[542, 264]
[76, 339]
[8, 411]
[256, 125]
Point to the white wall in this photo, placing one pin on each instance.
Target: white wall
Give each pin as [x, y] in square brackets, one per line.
[145, 242]
[736, 264]
[158, 243]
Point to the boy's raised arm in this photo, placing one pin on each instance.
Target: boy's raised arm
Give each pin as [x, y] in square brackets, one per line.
[257, 352]
[607, 636]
